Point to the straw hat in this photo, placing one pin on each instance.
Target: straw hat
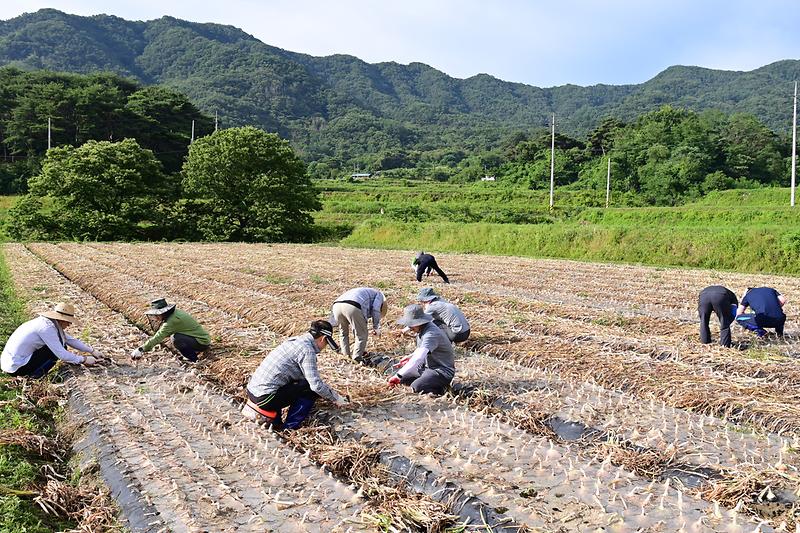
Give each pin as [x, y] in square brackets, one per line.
[414, 315]
[62, 311]
[159, 306]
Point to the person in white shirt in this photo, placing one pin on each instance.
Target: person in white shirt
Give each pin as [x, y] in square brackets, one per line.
[352, 310]
[36, 346]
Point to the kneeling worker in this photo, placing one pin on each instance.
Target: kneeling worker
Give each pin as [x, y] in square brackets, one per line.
[445, 315]
[767, 306]
[431, 367]
[188, 335]
[288, 377]
[36, 346]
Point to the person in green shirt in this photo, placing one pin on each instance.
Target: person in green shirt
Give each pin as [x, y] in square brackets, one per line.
[187, 334]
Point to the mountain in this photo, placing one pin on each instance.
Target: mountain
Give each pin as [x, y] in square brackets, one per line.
[339, 109]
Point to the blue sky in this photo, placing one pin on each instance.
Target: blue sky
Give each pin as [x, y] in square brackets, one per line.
[540, 43]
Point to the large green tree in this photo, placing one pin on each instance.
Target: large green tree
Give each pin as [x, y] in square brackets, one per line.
[99, 191]
[249, 185]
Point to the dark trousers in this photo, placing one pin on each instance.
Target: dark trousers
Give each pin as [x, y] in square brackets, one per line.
[188, 346]
[40, 363]
[430, 265]
[757, 323]
[719, 304]
[429, 382]
[297, 396]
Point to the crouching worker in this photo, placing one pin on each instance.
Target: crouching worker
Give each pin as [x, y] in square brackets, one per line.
[37, 345]
[722, 302]
[288, 377]
[446, 315]
[187, 334]
[767, 311]
[431, 367]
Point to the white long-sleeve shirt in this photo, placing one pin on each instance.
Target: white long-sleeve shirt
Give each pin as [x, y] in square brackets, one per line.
[370, 300]
[32, 335]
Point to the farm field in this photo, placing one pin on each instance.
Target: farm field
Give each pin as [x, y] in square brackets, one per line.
[581, 402]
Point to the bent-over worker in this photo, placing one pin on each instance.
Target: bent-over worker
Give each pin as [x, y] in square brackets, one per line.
[722, 302]
[424, 263]
[353, 309]
[767, 306]
[446, 315]
[431, 367]
[288, 377]
[187, 334]
[36, 345]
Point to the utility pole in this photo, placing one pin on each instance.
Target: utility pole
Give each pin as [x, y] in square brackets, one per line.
[552, 160]
[216, 121]
[608, 182]
[49, 139]
[192, 139]
[794, 142]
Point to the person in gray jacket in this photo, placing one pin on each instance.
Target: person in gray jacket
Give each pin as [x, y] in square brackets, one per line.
[445, 314]
[352, 310]
[431, 367]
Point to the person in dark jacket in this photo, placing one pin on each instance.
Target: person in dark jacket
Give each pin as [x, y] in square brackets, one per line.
[722, 302]
[767, 311]
[424, 263]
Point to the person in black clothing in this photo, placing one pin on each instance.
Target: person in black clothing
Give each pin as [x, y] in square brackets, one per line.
[722, 302]
[767, 306]
[425, 263]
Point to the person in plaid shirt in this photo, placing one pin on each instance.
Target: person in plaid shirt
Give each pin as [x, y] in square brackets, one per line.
[288, 377]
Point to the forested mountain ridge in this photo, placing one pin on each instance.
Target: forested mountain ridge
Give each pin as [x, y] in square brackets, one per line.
[339, 109]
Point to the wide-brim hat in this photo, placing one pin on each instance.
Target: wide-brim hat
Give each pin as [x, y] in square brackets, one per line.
[159, 306]
[325, 329]
[427, 295]
[414, 315]
[384, 307]
[62, 311]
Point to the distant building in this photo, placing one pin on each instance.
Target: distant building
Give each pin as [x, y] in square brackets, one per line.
[360, 175]
[488, 178]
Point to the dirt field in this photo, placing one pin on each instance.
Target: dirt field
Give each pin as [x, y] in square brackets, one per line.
[583, 400]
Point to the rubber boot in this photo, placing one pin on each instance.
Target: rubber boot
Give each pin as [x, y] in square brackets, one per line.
[298, 412]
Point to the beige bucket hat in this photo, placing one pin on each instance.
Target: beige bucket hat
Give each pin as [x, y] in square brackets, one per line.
[62, 311]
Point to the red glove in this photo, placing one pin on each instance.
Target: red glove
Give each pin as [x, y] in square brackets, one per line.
[402, 362]
[394, 381]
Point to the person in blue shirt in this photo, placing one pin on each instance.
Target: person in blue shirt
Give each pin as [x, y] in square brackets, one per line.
[766, 305]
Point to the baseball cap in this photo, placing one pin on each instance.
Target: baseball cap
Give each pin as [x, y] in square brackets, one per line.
[323, 328]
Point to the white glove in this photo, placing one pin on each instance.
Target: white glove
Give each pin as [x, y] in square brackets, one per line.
[137, 353]
[97, 354]
[341, 403]
[89, 360]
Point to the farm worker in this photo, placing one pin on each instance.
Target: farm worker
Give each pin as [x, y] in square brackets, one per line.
[425, 263]
[288, 377]
[446, 315]
[37, 345]
[353, 309]
[187, 334]
[722, 302]
[431, 367]
[767, 306]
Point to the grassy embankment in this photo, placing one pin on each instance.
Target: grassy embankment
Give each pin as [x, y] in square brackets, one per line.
[20, 470]
[743, 230]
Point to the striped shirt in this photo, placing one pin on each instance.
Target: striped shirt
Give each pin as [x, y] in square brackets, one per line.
[449, 314]
[294, 360]
[370, 301]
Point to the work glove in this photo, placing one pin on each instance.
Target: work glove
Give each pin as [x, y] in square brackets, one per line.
[394, 381]
[377, 332]
[89, 360]
[97, 354]
[137, 354]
